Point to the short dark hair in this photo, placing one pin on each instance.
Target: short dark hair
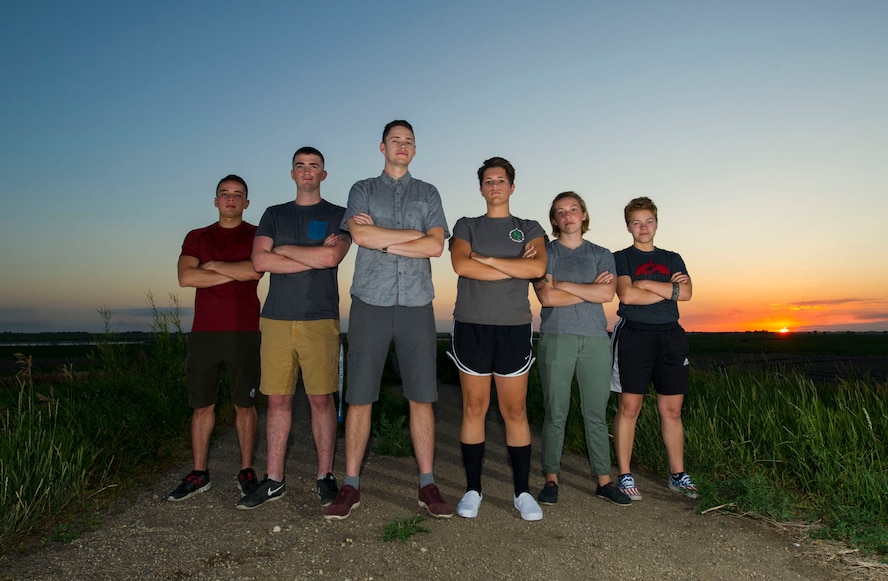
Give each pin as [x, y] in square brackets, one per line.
[556, 231]
[497, 162]
[234, 178]
[642, 203]
[307, 150]
[396, 123]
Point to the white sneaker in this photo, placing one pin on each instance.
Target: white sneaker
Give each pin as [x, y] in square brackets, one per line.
[468, 506]
[528, 507]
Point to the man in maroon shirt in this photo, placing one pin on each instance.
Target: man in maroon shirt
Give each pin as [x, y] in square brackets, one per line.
[216, 261]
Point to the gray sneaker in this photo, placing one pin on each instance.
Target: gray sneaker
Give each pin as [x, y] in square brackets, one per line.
[327, 489]
[268, 490]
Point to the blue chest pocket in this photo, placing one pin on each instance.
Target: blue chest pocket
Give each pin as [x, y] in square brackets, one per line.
[317, 230]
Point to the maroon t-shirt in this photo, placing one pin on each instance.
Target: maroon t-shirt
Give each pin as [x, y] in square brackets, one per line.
[233, 306]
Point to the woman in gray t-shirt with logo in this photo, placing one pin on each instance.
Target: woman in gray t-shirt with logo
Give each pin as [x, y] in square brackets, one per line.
[495, 255]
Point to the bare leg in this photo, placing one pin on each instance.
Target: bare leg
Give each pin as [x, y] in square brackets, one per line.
[357, 433]
[476, 401]
[277, 430]
[422, 432]
[245, 423]
[672, 429]
[511, 393]
[203, 420]
[624, 429]
[323, 428]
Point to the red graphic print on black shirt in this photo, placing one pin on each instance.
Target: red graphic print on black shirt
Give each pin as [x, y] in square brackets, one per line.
[649, 268]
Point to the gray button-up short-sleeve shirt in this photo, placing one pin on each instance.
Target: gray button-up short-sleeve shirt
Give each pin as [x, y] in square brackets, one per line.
[386, 280]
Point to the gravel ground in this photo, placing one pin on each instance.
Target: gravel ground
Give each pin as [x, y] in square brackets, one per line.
[581, 537]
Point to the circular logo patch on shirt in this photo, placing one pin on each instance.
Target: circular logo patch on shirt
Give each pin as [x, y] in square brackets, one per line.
[516, 235]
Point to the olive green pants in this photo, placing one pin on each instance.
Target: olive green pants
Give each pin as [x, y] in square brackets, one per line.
[560, 357]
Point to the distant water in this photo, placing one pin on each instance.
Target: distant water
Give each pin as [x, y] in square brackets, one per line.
[66, 343]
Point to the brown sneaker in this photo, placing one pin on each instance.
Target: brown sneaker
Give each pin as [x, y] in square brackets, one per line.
[348, 498]
[430, 499]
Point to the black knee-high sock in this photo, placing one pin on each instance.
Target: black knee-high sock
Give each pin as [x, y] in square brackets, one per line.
[520, 457]
[473, 456]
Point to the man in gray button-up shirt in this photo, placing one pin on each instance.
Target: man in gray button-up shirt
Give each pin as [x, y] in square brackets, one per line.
[398, 223]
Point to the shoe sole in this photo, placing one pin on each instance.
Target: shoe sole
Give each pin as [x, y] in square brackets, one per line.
[342, 516]
[269, 499]
[328, 501]
[547, 502]
[612, 501]
[683, 492]
[442, 515]
[530, 518]
[200, 490]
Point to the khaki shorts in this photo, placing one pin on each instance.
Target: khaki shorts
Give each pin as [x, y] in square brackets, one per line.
[288, 346]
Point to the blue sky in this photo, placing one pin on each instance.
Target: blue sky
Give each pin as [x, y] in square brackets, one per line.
[759, 128]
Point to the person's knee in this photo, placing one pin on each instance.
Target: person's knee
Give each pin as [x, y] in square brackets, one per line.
[280, 403]
[321, 403]
[204, 412]
[359, 412]
[473, 409]
[670, 413]
[629, 409]
[514, 412]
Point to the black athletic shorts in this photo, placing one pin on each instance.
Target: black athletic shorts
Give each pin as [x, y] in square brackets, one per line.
[645, 354]
[504, 350]
[238, 351]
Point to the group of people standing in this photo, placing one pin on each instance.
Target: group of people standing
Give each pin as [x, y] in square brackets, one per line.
[398, 224]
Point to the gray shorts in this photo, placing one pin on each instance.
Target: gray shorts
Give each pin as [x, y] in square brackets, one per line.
[371, 330]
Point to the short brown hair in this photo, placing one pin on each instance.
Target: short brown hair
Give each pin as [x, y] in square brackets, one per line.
[308, 150]
[396, 123]
[234, 178]
[556, 231]
[500, 162]
[642, 203]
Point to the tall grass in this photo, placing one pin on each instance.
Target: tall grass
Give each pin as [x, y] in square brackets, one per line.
[781, 445]
[775, 444]
[68, 444]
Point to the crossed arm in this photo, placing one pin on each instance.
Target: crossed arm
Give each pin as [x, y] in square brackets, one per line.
[530, 265]
[559, 293]
[213, 272]
[648, 292]
[409, 243]
[290, 258]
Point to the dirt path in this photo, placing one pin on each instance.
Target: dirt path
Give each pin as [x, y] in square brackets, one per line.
[205, 537]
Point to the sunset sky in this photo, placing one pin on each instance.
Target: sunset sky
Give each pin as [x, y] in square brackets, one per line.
[759, 128]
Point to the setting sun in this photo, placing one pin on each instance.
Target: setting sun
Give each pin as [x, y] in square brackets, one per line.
[783, 330]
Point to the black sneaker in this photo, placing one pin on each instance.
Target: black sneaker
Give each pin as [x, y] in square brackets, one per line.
[610, 492]
[267, 490]
[247, 481]
[327, 489]
[196, 481]
[549, 493]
